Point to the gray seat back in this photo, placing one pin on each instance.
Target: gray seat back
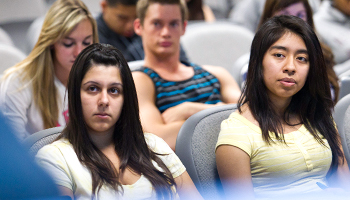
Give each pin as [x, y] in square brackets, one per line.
[41, 138]
[219, 43]
[136, 64]
[342, 117]
[195, 146]
[344, 87]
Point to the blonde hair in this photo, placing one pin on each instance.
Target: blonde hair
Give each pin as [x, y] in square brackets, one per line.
[37, 67]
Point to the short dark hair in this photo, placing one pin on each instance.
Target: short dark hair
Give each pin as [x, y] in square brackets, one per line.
[128, 136]
[113, 3]
[142, 7]
[312, 104]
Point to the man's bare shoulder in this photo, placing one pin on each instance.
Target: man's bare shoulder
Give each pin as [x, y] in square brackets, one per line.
[213, 68]
[142, 80]
[138, 75]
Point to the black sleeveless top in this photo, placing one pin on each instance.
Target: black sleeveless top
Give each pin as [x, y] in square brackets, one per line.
[203, 87]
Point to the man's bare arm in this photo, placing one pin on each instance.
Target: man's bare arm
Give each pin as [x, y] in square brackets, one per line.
[230, 90]
[151, 118]
[230, 93]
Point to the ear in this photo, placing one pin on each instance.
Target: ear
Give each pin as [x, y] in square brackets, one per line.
[104, 5]
[184, 25]
[138, 27]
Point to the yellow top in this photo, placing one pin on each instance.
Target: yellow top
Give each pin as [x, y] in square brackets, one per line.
[278, 169]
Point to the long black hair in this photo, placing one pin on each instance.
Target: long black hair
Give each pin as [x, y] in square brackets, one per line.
[128, 137]
[312, 104]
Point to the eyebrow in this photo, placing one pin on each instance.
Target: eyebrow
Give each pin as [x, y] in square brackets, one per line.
[176, 20]
[285, 49]
[96, 83]
[161, 20]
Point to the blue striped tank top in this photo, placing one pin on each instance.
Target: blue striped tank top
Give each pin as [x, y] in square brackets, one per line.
[203, 87]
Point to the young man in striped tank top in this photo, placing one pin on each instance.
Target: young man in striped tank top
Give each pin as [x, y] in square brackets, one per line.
[170, 91]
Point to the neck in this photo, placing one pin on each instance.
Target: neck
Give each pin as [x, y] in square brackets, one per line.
[280, 106]
[171, 63]
[102, 140]
[62, 75]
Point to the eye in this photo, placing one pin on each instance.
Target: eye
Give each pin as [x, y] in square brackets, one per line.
[114, 90]
[278, 55]
[174, 24]
[303, 59]
[156, 24]
[86, 43]
[68, 44]
[92, 89]
[301, 15]
[122, 18]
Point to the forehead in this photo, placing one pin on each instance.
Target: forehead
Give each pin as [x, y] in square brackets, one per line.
[299, 6]
[291, 41]
[163, 12]
[103, 72]
[81, 30]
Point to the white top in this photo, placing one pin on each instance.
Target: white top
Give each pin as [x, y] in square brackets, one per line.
[334, 29]
[61, 161]
[17, 104]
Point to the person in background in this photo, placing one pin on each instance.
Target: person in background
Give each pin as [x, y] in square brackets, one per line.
[32, 93]
[103, 152]
[169, 91]
[199, 11]
[333, 25]
[116, 27]
[282, 140]
[221, 8]
[248, 12]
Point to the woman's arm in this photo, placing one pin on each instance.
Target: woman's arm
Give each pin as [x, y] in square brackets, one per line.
[51, 159]
[234, 170]
[343, 175]
[341, 178]
[15, 100]
[186, 188]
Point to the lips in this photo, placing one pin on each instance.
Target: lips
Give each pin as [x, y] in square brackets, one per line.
[102, 115]
[287, 81]
[165, 44]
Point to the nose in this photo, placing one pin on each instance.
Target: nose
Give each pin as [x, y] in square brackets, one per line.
[130, 25]
[165, 31]
[103, 101]
[77, 49]
[289, 67]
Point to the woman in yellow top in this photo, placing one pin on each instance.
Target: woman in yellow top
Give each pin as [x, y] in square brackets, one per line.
[33, 91]
[282, 141]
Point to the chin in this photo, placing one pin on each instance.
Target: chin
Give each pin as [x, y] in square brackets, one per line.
[165, 53]
[101, 128]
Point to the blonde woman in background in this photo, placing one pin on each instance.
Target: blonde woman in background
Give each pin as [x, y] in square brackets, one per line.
[32, 94]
